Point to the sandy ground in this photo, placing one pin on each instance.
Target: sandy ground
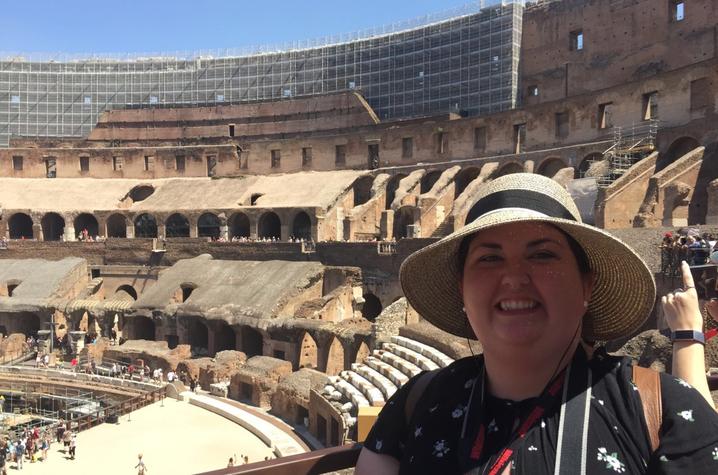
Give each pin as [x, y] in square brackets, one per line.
[175, 439]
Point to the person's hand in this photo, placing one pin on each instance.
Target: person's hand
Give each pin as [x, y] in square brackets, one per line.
[680, 307]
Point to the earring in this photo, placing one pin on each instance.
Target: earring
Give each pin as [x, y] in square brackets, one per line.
[585, 304]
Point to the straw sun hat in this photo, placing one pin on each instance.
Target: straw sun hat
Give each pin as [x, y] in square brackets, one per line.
[624, 289]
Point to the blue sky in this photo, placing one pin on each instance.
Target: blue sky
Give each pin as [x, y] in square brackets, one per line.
[106, 26]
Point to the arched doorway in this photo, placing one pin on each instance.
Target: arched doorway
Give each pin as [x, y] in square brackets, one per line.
[586, 163]
[371, 308]
[252, 344]
[145, 226]
[463, 178]
[125, 292]
[550, 167]
[270, 226]
[362, 189]
[177, 225]
[239, 225]
[391, 187]
[139, 328]
[224, 337]
[26, 323]
[362, 353]
[429, 180]
[403, 218]
[198, 336]
[53, 227]
[508, 169]
[302, 227]
[307, 352]
[117, 226]
[335, 358]
[86, 221]
[676, 150]
[20, 226]
[208, 225]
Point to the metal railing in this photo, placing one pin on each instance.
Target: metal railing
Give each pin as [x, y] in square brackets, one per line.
[120, 409]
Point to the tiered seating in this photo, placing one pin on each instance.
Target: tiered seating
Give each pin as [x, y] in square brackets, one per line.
[429, 351]
[386, 387]
[373, 382]
[370, 392]
[419, 360]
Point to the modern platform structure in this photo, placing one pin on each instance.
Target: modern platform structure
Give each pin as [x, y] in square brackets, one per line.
[463, 61]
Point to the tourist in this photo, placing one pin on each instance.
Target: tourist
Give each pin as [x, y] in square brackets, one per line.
[536, 286]
[44, 447]
[231, 461]
[73, 445]
[19, 453]
[67, 437]
[4, 452]
[141, 467]
[46, 360]
[60, 431]
[246, 459]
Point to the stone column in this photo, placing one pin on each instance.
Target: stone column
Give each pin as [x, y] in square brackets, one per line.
[69, 231]
[161, 230]
[529, 166]
[37, 232]
[253, 227]
[712, 211]
[386, 224]
[77, 341]
[130, 229]
[224, 232]
[43, 341]
[284, 232]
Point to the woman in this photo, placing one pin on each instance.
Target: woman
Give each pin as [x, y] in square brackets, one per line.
[531, 282]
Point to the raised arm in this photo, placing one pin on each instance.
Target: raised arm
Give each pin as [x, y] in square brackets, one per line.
[682, 312]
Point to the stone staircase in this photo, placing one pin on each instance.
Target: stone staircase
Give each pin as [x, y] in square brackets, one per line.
[445, 228]
[374, 381]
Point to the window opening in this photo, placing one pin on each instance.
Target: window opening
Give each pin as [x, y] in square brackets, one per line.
[306, 156]
[604, 116]
[576, 40]
[17, 163]
[340, 157]
[84, 164]
[650, 105]
[480, 139]
[407, 147]
[276, 158]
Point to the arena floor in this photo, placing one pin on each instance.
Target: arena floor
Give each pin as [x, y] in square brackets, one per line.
[177, 438]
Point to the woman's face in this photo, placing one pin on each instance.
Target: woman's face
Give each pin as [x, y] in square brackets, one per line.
[522, 288]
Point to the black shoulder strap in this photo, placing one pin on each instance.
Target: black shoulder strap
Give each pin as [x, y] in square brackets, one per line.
[416, 391]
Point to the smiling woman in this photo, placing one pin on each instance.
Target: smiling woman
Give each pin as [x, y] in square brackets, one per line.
[536, 287]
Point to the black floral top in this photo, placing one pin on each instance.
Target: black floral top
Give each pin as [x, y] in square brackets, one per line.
[432, 442]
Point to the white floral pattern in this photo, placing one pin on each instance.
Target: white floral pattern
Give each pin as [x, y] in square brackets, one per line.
[611, 460]
[683, 383]
[687, 415]
[440, 448]
[715, 453]
[458, 412]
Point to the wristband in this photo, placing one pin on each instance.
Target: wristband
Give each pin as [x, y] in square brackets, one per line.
[688, 335]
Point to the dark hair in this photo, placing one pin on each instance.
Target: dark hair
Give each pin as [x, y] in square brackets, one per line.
[584, 266]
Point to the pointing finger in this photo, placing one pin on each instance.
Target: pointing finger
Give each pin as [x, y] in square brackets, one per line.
[687, 276]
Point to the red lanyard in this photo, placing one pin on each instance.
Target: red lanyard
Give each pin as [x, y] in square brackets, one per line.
[536, 413]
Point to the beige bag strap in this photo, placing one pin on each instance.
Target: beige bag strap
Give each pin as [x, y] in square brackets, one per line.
[649, 387]
[415, 393]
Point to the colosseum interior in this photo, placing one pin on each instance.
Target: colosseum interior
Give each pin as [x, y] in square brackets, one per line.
[253, 243]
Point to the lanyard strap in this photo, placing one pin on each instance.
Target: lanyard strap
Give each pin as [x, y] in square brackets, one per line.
[573, 425]
[572, 444]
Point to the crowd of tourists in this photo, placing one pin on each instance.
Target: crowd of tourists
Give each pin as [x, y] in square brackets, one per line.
[31, 446]
[685, 245]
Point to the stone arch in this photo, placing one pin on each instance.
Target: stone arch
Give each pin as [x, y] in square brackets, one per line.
[177, 225]
[429, 180]
[197, 335]
[586, 163]
[508, 169]
[362, 189]
[125, 292]
[139, 328]
[53, 227]
[270, 225]
[209, 225]
[307, 357]
[88, 222]
[391, 186]
[463, 178]
[145, 226]
[550, 166]
[676, 150]
[239, 225]
[362, 353]
[403, 217]
[302, 226]
[252, 342]
[335, 358]
[116, 226]
[20, 225]
[371, 308]
[224, 337]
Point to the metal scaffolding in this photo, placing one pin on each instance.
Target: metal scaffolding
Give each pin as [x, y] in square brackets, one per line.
[463, 61]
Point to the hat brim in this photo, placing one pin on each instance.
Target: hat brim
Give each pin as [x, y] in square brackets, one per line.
[623, 295]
